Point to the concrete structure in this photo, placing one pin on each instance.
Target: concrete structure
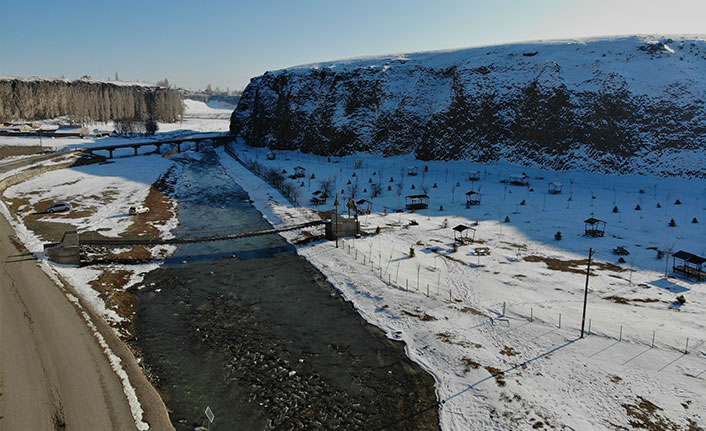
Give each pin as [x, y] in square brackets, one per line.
[340, 226]
[67, 251]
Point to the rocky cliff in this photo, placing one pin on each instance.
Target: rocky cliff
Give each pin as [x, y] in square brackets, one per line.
[627, 105]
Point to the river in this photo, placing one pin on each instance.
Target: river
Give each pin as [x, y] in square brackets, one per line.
[253, 331]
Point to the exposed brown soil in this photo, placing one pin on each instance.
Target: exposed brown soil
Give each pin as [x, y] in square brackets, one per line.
[577, 266]
[470, 364]
[499, 375]
[110, 286]
[509, 351]
[472, 310]
[645, 415]
[627, 301]
[424, 317]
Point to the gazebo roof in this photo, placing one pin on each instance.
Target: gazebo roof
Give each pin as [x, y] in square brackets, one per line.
[362, 201]
[472, 193]
[593, 220]
[461, 228]
[556, 183]
[423, 196]
[689, 257]
[300, 168]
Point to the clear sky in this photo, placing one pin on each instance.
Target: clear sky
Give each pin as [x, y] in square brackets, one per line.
[225, 43]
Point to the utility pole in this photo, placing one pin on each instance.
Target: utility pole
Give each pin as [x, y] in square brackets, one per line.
[585, 293]
[336, 219]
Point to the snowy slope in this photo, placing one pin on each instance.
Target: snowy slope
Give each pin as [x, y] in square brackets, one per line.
[610, 104]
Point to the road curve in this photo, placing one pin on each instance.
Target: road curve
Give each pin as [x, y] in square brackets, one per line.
[53, 374]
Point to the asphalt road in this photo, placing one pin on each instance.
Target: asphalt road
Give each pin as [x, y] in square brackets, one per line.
[53, 374]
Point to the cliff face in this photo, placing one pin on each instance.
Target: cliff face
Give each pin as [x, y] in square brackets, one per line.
[31, 98]
[633, 104]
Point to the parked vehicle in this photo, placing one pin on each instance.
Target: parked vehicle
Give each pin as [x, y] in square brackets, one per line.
[59, 207]
[138, 210]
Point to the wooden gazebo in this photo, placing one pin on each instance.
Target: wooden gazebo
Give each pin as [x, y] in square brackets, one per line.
[299, 172]
[594, 227]
[412, 171]
[461, 234]
[472, 198]
[363, 206]
[519, 180]
[689, 264]
[474, 176]
[319, 197]
[417, 202]
[554, 188]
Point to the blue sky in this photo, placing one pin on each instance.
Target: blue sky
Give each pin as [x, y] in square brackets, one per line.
[225, 43]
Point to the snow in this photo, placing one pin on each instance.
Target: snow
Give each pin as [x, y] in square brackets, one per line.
[126, 183]
[579, 62]
[548, 374]
[198, 117]
[211, 109]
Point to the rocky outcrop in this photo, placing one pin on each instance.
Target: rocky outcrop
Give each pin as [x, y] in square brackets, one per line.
[625, 105]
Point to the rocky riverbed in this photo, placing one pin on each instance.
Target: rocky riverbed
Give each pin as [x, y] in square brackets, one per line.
[253, 331]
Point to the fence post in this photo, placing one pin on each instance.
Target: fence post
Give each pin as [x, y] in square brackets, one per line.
[406, 285]
[653, 338]
[559, 320]
[686, 348]
[589, 326]
[531, 314]
[621, 333]
[427, 289]
[503, 308]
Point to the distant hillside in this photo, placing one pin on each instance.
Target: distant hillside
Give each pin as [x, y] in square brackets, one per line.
[626, 104]
[30, 98]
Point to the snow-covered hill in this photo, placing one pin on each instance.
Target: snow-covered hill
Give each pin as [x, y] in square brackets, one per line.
[623, 104]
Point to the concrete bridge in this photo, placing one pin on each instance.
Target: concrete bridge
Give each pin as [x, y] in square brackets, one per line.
[218, 138]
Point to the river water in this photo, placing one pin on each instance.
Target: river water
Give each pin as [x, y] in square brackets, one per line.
[254, 332]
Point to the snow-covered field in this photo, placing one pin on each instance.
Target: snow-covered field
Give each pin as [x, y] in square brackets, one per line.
[526, 368]
[198, 117]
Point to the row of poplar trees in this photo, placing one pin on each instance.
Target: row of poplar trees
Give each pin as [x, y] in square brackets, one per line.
[87, 101]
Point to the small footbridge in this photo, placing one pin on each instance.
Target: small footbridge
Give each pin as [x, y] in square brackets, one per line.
[197, 138]
[68, 250]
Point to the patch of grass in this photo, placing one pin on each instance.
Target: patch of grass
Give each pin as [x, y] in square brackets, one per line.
[509, 351]
[497, 374]
[424, 317]
[470, 364]
[645, 415]
[576, 265]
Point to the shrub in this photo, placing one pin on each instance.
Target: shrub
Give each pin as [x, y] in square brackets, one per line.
[637, 207]
[507, 219]
[615, 209]
[672, 223]
[557, 236]
[411, 252]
